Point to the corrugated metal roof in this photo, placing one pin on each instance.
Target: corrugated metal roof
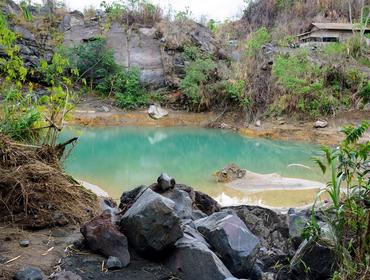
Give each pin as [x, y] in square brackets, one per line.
[331, 26]
[335, 26]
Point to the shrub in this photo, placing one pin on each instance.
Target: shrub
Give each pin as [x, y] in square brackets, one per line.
[315, 90]
[348, 214]
[365, 93]
[133, 12]
[198, 75]
[256, 40]
[20, 117]
[94, 60]
[12, 65]
[236, 92]
[125, 85]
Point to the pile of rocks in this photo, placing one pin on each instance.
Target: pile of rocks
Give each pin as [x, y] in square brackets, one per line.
[175, 232]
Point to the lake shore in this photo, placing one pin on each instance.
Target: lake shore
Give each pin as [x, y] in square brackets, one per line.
[97, 112]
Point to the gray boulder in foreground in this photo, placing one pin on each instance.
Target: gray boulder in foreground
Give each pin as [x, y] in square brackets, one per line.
[151, 224]
[183, 202]
[29, 273]
[192, 259]
[231, 240]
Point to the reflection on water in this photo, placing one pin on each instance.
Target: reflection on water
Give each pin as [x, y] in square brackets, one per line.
[121, 158]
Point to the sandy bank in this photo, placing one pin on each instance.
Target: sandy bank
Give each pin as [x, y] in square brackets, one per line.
[254, 182]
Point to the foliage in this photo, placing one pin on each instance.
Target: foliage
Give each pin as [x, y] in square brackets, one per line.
[93, 59]
[236, 91]
[11, 66]
[349, 215]
[199, 74]
[286, 41]
[125, 85]
[58, 102]
[365, 93]
[20, 117]
[212, 25]
[132, 12]
[182, 16]
[256, 40]
[311, 88]
[26, 12]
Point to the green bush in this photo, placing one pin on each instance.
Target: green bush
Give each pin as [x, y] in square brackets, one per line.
[198, 75]
[236, 92]
[20, 116]
[365, 93]
[125, 85]
[347, 213]
[132, 11]
[93, 59]
[256, 40]
[313, 89]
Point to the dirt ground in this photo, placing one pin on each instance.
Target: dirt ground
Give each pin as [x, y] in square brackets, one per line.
[45, 250]
[51, 250]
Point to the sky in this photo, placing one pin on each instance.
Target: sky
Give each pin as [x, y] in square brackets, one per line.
[219, 10]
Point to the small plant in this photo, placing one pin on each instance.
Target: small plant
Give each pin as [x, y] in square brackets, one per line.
[93, 60]
[236, 92]
[20, 117]
[198, 75]
[58, 102]
[349, 213]
[256, 40]
[26, 12]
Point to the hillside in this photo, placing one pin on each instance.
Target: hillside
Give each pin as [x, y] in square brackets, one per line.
[138, 56]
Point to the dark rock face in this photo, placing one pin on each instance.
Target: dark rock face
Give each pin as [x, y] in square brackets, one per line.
[29, 273]
[269, 226]
[314, 260]
[231, 240]
[183, 202]
[192, 259]
[151, 224]
[206, 204]
[102, 236]
[129, 198]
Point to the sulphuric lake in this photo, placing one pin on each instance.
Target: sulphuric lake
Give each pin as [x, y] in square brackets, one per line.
[118, 159]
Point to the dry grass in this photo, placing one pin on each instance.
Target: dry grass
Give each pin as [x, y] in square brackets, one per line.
[34, 191]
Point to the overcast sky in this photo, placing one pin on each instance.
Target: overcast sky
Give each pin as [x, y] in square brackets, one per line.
[216, 9]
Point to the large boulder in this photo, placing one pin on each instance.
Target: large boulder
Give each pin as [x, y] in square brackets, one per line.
[156, 112]
[314, 260]
[151, 224]
[130, 197]
[192, 259]
[231, 240]
[102, 236]
[269, 226]
[183, 202]
[230, 173]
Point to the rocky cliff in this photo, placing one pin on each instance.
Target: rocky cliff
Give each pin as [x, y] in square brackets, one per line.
[155, 49]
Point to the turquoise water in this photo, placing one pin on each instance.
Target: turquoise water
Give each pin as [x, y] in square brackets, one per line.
[121, 158]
